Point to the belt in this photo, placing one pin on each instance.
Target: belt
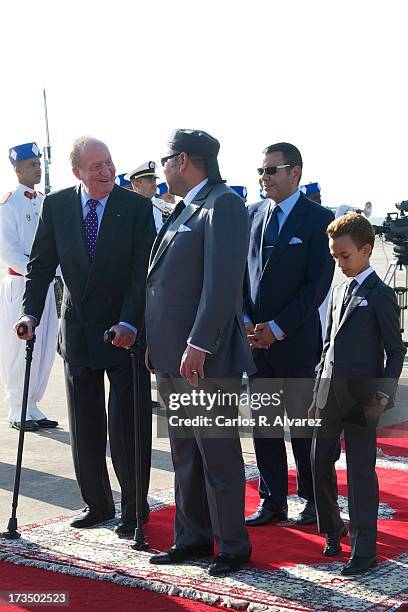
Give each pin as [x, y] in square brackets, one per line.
[13, 272]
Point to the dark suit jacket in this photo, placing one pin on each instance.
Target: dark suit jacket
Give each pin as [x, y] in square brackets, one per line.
[353, 352]
[194, 285]
[97, 293]
[294, 282]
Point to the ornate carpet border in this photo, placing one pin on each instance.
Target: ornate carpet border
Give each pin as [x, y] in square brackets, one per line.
[338, 590]
[300, 587]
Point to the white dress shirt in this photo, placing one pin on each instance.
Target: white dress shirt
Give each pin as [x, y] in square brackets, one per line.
[187, 200]
[360, 278]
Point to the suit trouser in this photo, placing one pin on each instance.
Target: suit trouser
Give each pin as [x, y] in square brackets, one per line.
[271, 451]
[209, 476]
[362, 483]
[88, 429]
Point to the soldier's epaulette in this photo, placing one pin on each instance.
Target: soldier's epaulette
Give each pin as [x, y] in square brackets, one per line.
[5, 197]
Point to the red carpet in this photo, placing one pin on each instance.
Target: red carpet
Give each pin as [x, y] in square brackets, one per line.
[88, 594]
[393, 440]
[280, 546]
[287, 570]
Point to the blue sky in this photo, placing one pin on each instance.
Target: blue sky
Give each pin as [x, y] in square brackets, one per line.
[327, 76]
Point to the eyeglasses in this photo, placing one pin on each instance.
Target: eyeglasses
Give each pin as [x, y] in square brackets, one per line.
[272, 169]
[164, 160]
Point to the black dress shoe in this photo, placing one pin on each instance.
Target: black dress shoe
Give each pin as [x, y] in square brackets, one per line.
[47, 423]
[263, 516]
[332, 546]
[308, 514]
[91, 518]
[126, 528]
[225, 564]
[358, 565]
[176, 555]
[29, 425]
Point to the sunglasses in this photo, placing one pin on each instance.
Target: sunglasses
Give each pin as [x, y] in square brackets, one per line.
[272, 169]
[164, 160]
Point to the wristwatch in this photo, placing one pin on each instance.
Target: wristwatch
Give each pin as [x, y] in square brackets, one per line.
[382, 398]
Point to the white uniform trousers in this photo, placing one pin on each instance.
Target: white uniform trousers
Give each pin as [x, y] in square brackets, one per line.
[12, 349]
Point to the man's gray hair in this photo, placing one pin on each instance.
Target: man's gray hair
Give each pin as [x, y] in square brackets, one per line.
[78, 145]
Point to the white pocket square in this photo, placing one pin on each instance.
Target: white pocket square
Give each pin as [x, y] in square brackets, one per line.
[363, 303]
[295, 240]
[184, 228]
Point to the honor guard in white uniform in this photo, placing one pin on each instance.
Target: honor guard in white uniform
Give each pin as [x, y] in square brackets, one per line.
[313, 192]
[163, 194]
[122, 181]
[164, 200]
[343, 209]
[144, 182]
[241, 191]
[19, 215]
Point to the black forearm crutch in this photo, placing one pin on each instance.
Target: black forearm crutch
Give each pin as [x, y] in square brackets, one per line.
[137, 358]
[12, 533]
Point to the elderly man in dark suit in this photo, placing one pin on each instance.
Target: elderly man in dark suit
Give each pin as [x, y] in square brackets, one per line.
[195, 334]
[101, 235]
[289, 273]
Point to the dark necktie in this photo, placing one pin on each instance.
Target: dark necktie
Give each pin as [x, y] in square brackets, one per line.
[348, 295]
[177, 211]
[271, 233]
[91, 227]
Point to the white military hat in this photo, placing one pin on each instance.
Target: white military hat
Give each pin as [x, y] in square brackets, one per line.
[146, 169]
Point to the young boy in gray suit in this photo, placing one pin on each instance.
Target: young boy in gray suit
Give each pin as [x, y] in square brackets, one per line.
[353, 387]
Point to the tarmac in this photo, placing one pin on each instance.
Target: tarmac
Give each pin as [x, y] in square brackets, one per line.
[48, 486]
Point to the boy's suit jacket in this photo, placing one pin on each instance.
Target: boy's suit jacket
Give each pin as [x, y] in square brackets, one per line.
[353, 352]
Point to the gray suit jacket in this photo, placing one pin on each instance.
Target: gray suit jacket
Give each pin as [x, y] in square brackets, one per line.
[353, 352]
[194, 285]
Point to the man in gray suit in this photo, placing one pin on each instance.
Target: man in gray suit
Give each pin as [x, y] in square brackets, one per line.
[195, 334]
[352, 389]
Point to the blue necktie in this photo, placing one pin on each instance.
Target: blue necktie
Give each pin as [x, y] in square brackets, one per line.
[271, 233]
[91, 227]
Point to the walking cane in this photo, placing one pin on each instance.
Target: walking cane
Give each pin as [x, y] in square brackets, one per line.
[12, 533]
[137, 358]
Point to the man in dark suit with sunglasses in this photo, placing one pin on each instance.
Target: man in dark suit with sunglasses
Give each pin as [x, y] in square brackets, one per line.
[289, 273]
